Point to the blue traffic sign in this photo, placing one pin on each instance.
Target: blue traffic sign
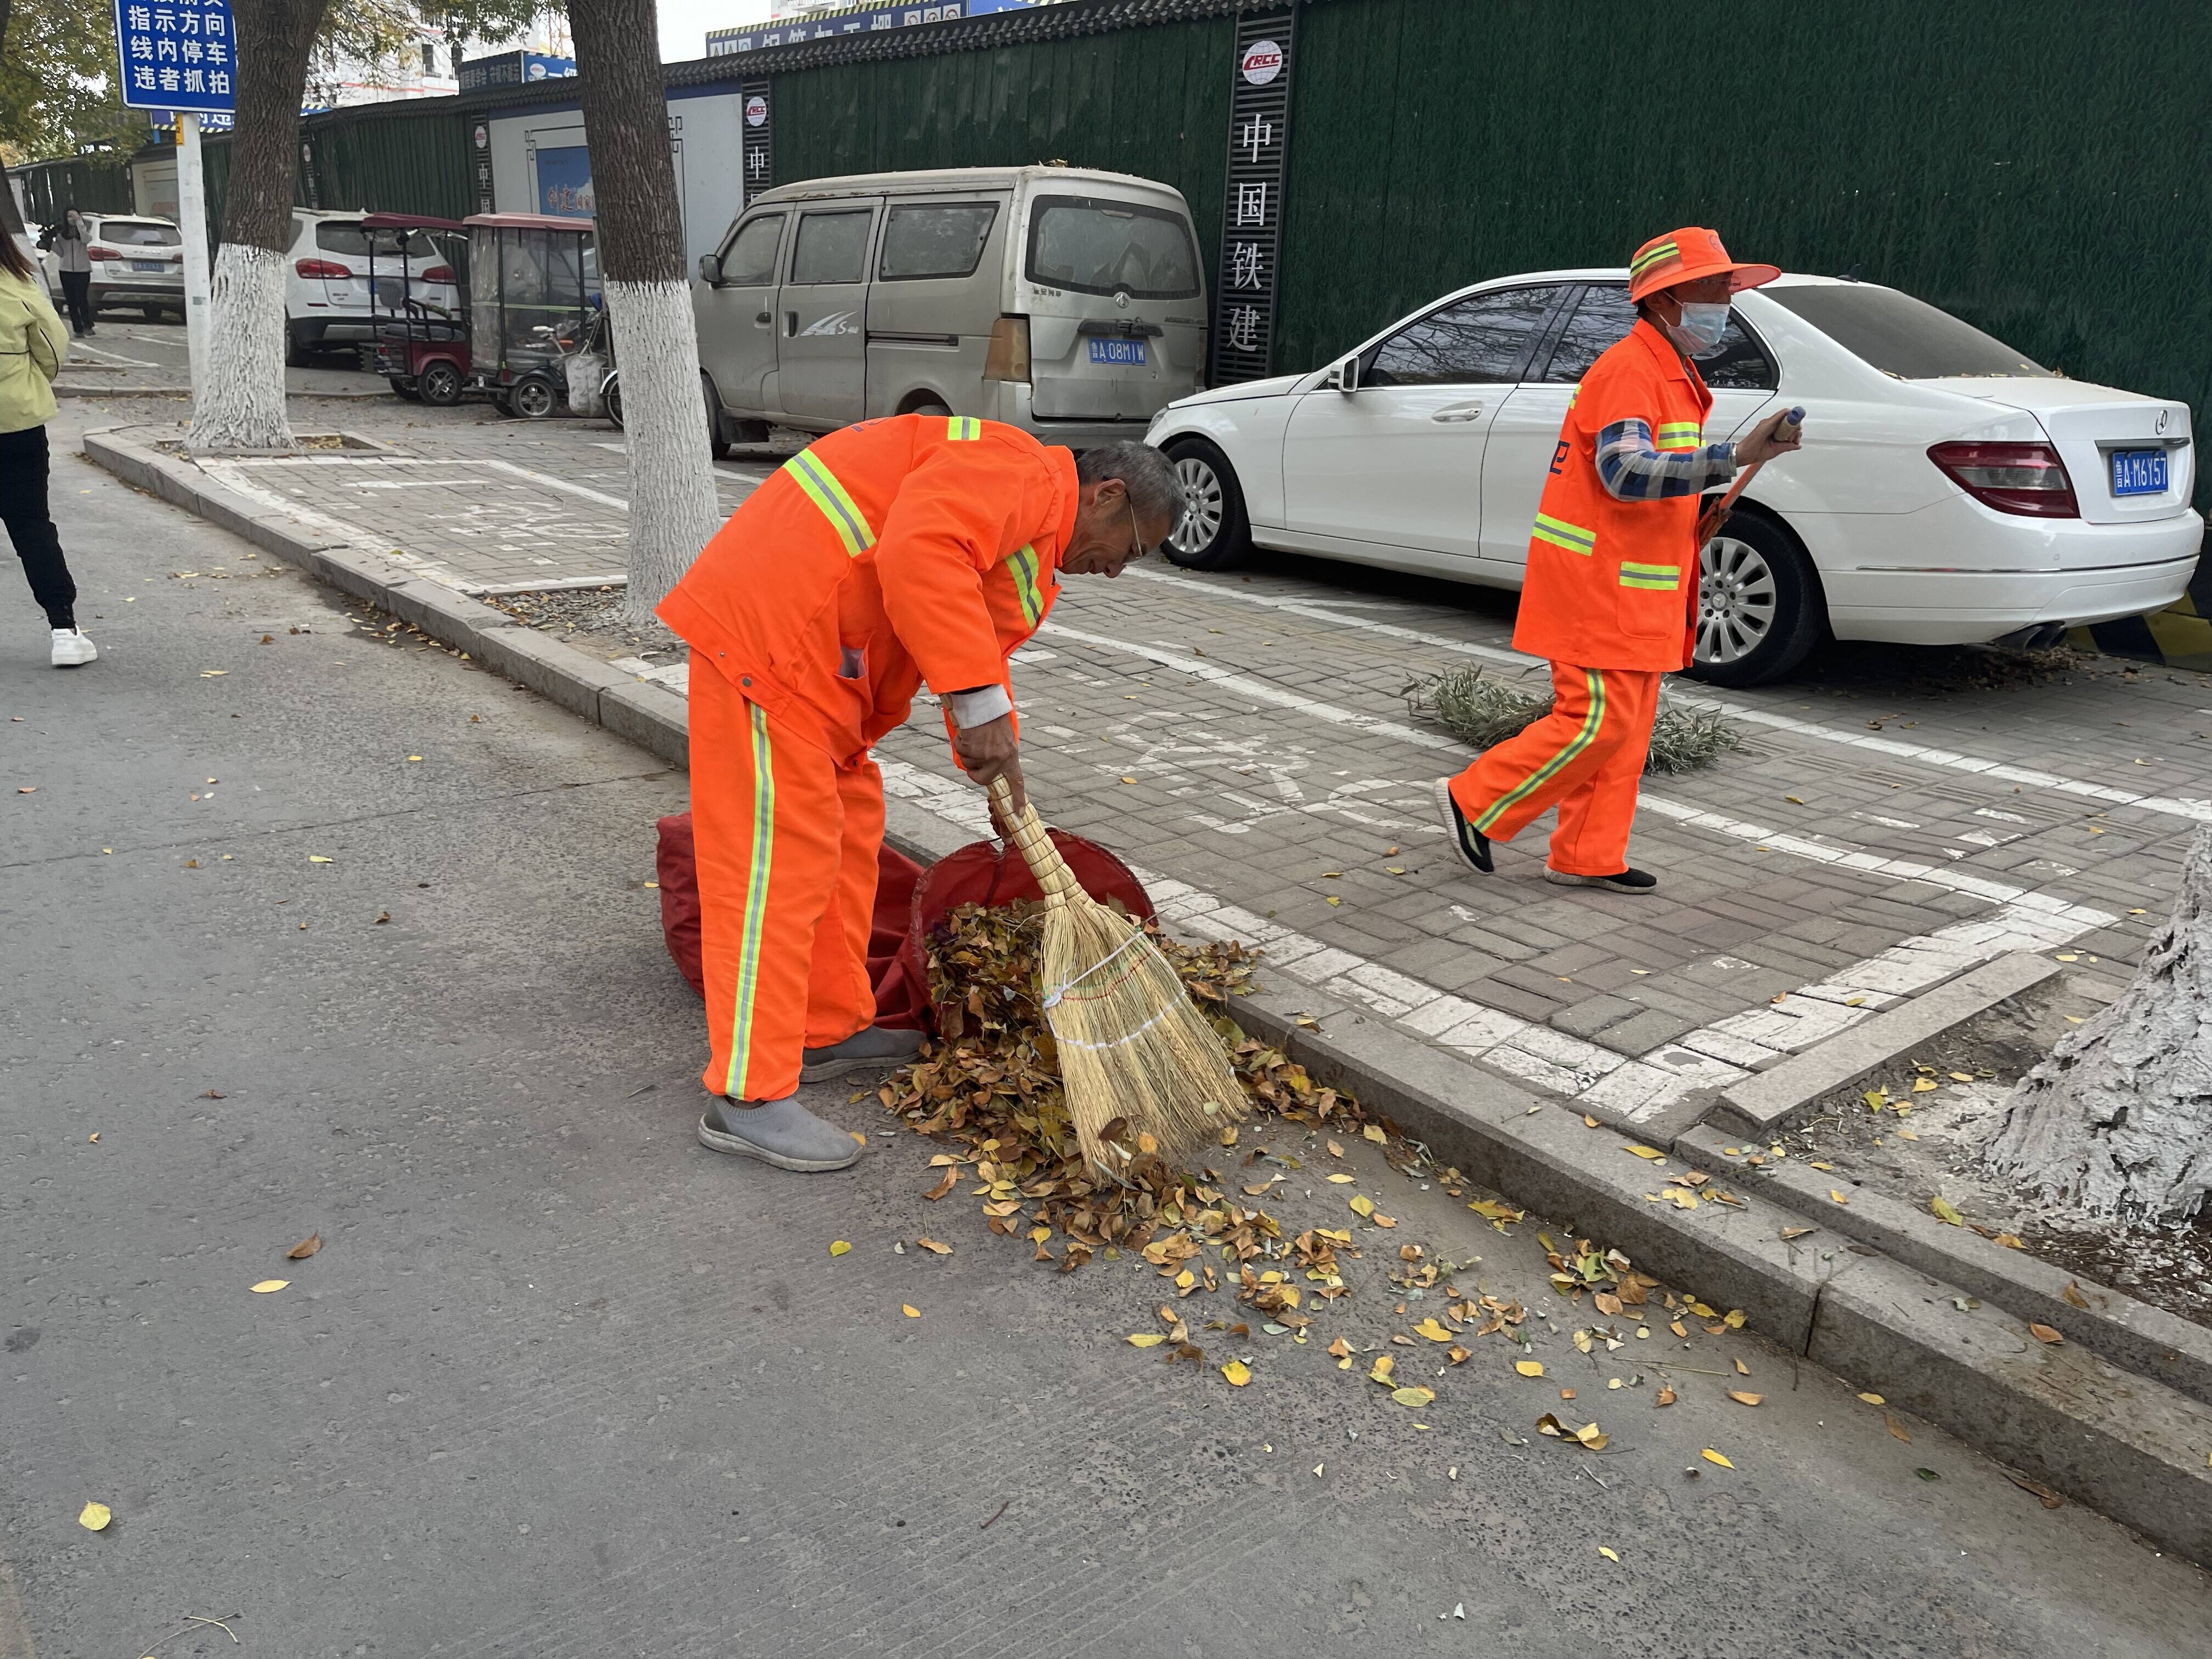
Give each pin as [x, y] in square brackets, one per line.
[177, 54]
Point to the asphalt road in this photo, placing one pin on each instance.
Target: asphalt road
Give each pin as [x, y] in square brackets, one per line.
[128, 353]
[559, 1381]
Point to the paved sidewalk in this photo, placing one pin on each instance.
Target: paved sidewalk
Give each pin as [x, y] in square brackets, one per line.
[1897, 817]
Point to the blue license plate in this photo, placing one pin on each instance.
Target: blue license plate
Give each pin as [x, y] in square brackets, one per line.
[148, 264]
[1123, 351]
[2138, 472]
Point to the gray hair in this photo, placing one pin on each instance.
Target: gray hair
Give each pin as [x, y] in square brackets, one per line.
[1144, 472]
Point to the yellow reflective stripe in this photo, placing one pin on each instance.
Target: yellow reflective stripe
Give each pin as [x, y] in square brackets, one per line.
[1665, 578]
[1550, 769]
[1680, 435]
[1656, 254]
[962, 426]
[1024, 564]
[823, 488]
[1663, 585]
[756, 880]
[1560, 533]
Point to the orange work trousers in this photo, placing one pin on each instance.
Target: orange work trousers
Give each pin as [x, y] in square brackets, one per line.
[786, 842]
[1585, 758]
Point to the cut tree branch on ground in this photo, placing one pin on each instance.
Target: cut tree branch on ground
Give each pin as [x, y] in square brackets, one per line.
[673, 510]
[2118, 1121]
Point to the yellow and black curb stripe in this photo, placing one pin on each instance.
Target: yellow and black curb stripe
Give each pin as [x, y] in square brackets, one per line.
[2180, 636]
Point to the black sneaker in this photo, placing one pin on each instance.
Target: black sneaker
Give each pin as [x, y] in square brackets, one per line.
[1628, 881]
[1469, 842]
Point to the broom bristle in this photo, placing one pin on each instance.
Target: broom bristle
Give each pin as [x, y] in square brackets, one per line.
[1132, 1043]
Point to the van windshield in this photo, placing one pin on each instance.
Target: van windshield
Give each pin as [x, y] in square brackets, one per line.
[1902, 337]
[1099, 245]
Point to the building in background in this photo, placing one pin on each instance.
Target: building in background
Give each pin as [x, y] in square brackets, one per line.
[818, 19]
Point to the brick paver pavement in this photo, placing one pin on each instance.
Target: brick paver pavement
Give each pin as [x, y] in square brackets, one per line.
[1895, 818]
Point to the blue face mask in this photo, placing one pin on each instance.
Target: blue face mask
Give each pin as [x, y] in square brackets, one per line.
[1701, 327]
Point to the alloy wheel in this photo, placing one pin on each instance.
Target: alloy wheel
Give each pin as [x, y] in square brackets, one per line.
[1736, 597]
[532, 398]
[1201, 505]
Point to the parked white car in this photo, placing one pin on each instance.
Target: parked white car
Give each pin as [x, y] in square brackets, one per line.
[137, 261]
[327, 300]
[1950, 491]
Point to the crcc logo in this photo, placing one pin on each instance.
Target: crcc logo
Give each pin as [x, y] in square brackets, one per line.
[1263, 62]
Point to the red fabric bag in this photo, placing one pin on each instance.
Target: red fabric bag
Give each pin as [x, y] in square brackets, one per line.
[911, 900]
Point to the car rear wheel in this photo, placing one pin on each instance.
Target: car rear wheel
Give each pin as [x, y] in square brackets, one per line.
[404, 387]
[1213, 532]
[440, 384]
[718, 429]
[1759, 604]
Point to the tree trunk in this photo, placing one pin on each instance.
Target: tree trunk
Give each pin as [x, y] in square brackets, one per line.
[241, 404]
[673, 509]
[2118, 1121]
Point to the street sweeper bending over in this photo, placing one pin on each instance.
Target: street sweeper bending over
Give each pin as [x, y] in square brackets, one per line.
[1611, 595]
[917, 551]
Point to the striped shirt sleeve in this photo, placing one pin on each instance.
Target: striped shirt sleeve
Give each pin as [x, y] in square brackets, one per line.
[1633, 468]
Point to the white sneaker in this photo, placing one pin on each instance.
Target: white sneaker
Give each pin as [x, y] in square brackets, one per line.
[72, 649]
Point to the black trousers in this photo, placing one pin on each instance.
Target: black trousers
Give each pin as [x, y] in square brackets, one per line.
[31, 527]
[76, 294]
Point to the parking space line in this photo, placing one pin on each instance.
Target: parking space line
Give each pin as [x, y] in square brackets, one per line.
[2196, 810]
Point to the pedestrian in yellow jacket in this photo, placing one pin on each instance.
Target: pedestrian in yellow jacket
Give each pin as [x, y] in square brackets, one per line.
[32, 346]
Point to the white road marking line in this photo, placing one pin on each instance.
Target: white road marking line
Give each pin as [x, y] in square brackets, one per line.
[78, 348]
[2196, 810]
[1636, 1089]
[1821, 852]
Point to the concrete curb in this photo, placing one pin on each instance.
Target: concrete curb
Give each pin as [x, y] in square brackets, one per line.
[2135, 1448]
[1768, 1101]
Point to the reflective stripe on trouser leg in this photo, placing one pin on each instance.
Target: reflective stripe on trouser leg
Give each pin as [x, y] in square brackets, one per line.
[1594, 820]
[768, 825]
[1515, 780]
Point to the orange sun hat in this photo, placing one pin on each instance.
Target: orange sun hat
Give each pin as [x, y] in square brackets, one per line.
[1688, 255]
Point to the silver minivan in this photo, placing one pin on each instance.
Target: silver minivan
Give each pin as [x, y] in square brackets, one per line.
[1063, 301]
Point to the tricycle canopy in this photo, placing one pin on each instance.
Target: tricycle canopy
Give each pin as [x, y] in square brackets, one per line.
[533, 290]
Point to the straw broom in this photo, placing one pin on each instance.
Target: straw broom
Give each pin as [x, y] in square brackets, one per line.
[1132, 1046]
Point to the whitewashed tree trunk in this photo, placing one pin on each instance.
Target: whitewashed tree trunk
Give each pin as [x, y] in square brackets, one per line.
[2118, 1121]
[240, 403]
[672, 507]
[640, 237]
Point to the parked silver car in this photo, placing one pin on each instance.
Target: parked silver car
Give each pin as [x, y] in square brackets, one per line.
[1063, 301]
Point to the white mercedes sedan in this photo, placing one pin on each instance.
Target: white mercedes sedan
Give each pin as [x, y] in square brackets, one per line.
[1949, 492]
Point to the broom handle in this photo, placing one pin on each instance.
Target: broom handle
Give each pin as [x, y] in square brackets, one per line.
[1044, 859]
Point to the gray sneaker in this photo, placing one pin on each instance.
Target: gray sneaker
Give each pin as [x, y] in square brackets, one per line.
[778, 1131]
[878, 1049]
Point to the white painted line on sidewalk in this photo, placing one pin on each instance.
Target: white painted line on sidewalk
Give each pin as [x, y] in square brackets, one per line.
[1950, 878]
[2196, 810]
[78, 348]
[1637, 1089]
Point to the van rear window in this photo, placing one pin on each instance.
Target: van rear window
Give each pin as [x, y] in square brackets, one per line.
[941, 239]
[1095, 245]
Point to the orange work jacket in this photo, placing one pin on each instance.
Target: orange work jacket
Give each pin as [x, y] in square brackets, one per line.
[1614, 584]
[920, 548]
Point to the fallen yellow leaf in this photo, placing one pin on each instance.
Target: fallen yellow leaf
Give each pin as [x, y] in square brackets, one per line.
[1945, 1211]
[1433, 1331]
[1666, 1397]
[1651, 1152]
[1607, 1553]
[838, 1246]
[94, 1517]
[1374, 1132]
[1341, 1179]
[1381, 1372]
[2045, 1333]
[1922, 1085]
[317, 857]
[1491, 1210]
[1415, 1397]
[269, 1284]
[934, 1247]
[1529, 1367]
[1362, 1204]
[1712, 1456]
[1237, 1372]
[1874, 1399]
[1744, 1399]
[1146, 1340]
[1838, 1196]
[909, 1310]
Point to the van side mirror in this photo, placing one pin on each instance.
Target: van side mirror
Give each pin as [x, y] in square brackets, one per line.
[710, 270]
[1347, 375]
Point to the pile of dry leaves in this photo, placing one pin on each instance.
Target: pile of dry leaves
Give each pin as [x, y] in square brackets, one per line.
[990, 1085]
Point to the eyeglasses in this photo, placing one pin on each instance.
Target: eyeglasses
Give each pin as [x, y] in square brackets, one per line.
[1136, 536]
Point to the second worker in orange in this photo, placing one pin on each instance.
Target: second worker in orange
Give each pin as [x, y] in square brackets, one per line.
[1611, 587]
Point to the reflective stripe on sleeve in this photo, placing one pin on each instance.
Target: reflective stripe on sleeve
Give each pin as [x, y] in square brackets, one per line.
[1679, 434]
[962, 426]
[1023, 565]
[823, 488]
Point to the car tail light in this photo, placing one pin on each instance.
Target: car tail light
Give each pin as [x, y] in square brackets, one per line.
[1009, 356]
[312, 269]
[97, 251]
[2024, 478]
[439, 274]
